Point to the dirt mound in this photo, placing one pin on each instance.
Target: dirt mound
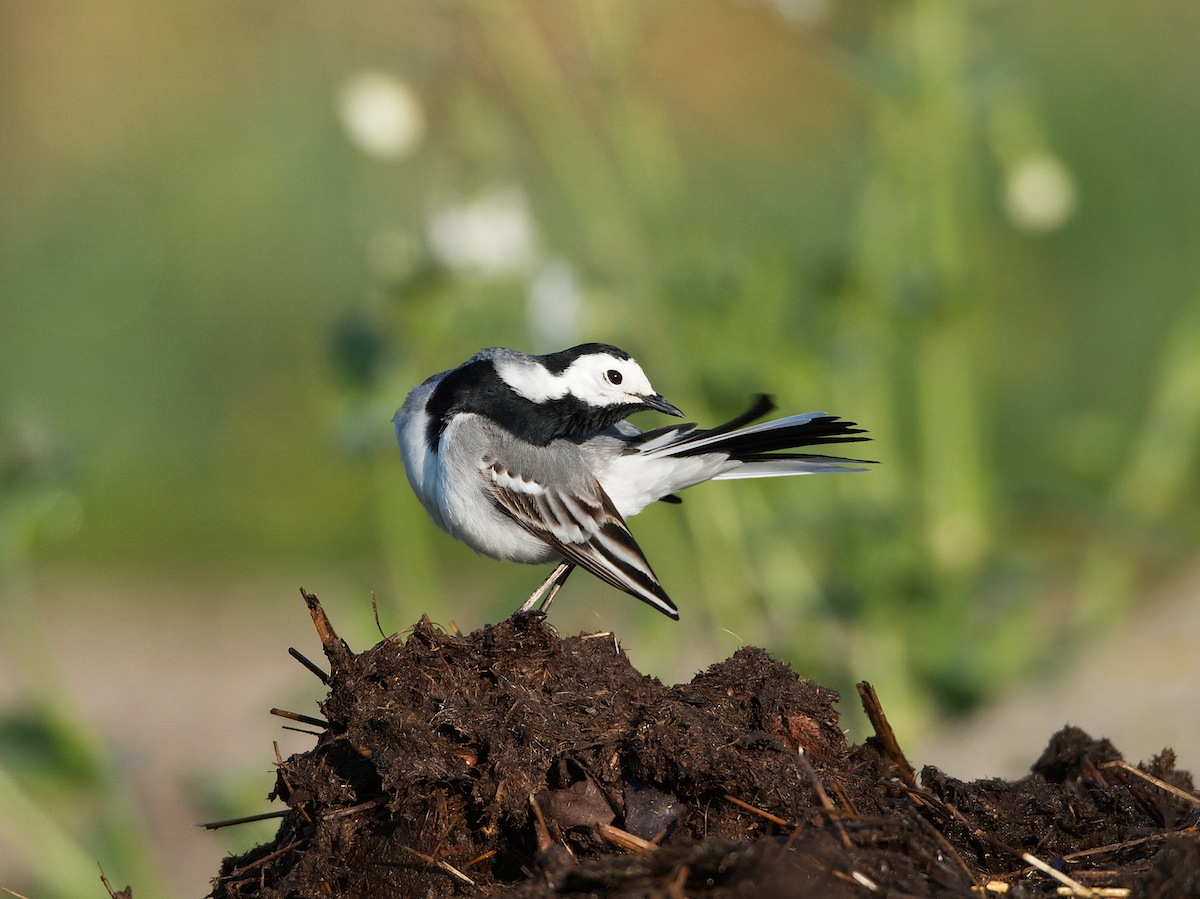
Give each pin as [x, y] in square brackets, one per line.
[513, 762]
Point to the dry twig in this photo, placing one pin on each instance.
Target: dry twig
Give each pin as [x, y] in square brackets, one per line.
[740, 803]
[539, 820]
[625, 839]
[335, 647]
[248, 819]
[1150, 778]
[126, 893]
[443, 864]
[884, 733]
[309, 664]
[1076, 888]
[826, 804]
[303, 719]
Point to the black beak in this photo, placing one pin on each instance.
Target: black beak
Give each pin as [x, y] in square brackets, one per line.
[656, 403]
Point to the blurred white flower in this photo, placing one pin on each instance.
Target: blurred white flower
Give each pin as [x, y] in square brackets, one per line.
[554, 305]
[492, 234]
[382, 115]
[802, 12]
[1039, 193]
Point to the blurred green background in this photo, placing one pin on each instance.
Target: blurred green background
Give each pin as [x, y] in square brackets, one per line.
[233, 235]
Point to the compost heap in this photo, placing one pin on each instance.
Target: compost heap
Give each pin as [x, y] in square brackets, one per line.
[513, 762]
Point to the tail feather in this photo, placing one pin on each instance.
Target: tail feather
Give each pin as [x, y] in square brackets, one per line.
[784, 464]
[810, 429]
[680, 434]
[761, 406]
[760, 444]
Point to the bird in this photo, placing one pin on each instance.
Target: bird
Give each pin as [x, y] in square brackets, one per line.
[529, 458]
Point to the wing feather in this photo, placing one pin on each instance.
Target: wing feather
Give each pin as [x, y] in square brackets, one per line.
[583, 526]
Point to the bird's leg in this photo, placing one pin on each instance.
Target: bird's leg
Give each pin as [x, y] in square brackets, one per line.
[557, 578]
[556, 586]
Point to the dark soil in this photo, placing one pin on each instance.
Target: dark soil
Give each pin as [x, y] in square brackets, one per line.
[513, 762]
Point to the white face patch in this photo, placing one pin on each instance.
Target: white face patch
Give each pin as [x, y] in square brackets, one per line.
[598, 379]
[532, 381]
[604, 380]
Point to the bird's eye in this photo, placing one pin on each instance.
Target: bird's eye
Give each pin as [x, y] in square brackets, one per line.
[613, 376]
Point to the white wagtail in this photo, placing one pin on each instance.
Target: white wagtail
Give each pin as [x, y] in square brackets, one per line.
[530, 459]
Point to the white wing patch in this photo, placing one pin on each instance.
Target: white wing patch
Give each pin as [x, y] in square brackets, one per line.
[506, 480]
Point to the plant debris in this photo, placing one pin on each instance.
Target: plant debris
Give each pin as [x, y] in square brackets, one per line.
[513, 762]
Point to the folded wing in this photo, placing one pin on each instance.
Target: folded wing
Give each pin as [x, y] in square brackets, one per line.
[557, 499]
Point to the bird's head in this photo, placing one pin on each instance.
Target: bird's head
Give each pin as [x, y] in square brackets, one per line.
[596, 375]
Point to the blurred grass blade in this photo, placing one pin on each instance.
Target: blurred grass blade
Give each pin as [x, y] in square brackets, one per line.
[1162, 463]
[56, 862]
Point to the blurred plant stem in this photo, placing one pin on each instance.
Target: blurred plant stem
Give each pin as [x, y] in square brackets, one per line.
[930, 141]
[1162, 462]
[1153, 486]
[913, 300]
[563, 133]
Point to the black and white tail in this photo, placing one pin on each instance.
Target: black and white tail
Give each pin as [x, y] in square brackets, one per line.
[757, 450]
